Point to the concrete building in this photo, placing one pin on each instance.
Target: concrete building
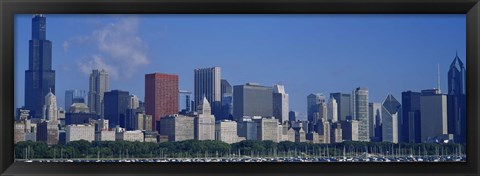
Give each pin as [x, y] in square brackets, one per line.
[391, 110]
[50, 111]
[79, 132]
[48, 132]
[226, 131]
[291, 134]
[280, 103]
[105, 135]
[78, 108]
[433, 110]
[267, 129]
[208, 84]
[74, 96]
[98, 85]
[252, 100]
[300, 135]
[360, 112]
[204, 122]
[161, 96]
[332, 110]
[177, 127]
[336, 133]
[150, 136]
[131, 136]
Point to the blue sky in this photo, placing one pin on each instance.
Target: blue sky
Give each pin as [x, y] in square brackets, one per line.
[387, 54]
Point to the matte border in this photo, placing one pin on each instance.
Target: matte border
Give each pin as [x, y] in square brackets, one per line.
[10, 7]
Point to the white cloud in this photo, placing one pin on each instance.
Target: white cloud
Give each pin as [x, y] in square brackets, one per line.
[117, 48]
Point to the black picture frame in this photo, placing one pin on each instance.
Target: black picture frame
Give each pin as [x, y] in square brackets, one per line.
[8, 8]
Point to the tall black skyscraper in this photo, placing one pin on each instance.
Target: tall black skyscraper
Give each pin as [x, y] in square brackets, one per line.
[116, 105]
[410, 122]
[456, 101]
[39, 78]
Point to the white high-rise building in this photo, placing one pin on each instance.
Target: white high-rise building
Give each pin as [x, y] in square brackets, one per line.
[50, 111]
[226, 131]
[80, 132]
[332, 110]
[360, 112]
[134, 102]
[391, 109]
[280, 103]
[204, 122]
[98, 85]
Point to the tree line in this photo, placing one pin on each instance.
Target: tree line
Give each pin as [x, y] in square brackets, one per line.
[252, 148]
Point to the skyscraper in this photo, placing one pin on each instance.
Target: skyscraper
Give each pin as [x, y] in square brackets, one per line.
[343, 105]
[313, 100]
[50, 111]
[39, 78]
[116, 105]
[208, 84]
[456, 100]
[204, 123]
[74, 96]
[280, 103]
[360, 112]
[252, 100]
[161, 96]
[332, 110]
[433, 110]
[375, 121]
[227, 100]
[98, 85]
[410, 123]
[391, 110]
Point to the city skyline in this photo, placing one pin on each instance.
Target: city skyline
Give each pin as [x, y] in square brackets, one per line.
[341, 80]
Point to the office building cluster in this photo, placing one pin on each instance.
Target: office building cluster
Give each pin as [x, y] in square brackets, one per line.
[220, 111]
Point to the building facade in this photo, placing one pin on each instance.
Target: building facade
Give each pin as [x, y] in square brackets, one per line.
[208, 84]
[360, 112]
[411, 121]
[226, 131]
[375, 121]
[433, 110]
[177, 127]
[50, 110]
[39, 78]
[204, 122]
[456, 100]
[344, 103]
[161, 96]
[98, 85]
[116, 105]
[80, 132]
[391, 110]
[280, 103]
[252, 100]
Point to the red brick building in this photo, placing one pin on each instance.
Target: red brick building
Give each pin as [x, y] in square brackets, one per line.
[161, 96]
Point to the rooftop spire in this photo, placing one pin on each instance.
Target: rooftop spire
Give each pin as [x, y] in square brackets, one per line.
[438, 77]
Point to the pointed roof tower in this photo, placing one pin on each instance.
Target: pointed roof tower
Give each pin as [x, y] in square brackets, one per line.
[204, 107]
[457, 63]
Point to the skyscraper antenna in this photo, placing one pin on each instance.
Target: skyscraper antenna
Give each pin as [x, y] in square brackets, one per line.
[438, 77]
